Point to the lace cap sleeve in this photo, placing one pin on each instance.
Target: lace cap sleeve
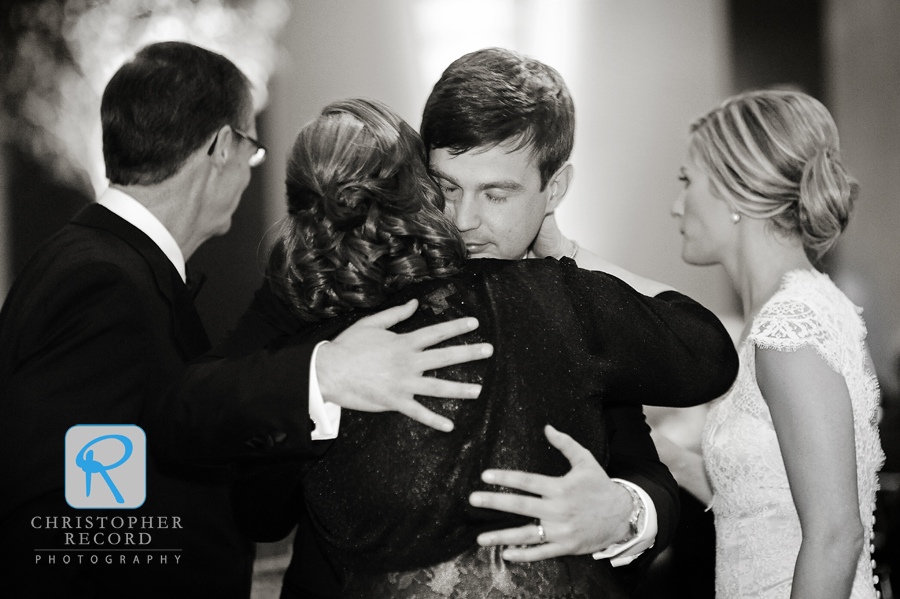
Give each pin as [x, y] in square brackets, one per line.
[788, 322]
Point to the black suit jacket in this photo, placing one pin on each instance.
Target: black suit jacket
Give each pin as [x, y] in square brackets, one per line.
[95, 328]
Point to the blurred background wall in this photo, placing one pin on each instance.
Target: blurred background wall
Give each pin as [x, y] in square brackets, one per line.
[863, 58]
[640, 72]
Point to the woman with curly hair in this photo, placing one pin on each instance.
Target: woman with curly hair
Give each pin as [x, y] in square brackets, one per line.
[388, 500]
[363, 221]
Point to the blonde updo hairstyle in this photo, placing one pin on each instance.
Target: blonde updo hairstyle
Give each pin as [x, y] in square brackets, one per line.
[775, 155]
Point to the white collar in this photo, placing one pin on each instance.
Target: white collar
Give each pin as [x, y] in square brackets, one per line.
[126, 207]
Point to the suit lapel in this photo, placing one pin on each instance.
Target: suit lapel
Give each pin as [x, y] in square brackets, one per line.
[190, 334]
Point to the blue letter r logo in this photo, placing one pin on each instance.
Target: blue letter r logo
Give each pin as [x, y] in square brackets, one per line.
[91, 466]
[99, 449]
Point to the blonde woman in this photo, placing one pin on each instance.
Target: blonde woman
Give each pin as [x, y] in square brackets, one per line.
[792, 451]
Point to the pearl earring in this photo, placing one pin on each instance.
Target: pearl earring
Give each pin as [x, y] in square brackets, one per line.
[735, 217]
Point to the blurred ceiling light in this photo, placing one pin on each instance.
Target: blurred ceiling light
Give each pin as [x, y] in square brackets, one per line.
[66, 51]
[447, 29]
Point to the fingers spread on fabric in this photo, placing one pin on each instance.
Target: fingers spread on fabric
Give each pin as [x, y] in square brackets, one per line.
[370, 369]
[431, 335]
[388, 318]
[523, 505]
[581, 512]
[456, 354]
[524, 543]
[535, 553]
[574, 452]
[522, 481]
[433, 387]
[523, 535]
[420, 413]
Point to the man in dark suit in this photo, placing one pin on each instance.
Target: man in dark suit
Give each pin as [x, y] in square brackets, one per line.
[101, 321]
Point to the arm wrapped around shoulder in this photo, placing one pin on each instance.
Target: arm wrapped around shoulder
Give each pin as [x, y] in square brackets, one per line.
[710, 361]
[666, 350]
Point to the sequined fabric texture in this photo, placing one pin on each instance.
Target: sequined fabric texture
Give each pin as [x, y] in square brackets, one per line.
[389, 499]
[482, 574]
[388, 481]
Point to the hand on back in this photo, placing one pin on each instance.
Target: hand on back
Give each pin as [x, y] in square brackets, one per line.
[370, 369]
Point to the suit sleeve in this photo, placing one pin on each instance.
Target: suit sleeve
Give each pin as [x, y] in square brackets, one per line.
[699, 362]
[633, 457]
[246, 403]
[248, 397]
[670, 350]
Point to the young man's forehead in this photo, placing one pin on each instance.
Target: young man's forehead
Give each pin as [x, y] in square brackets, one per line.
[528, 153]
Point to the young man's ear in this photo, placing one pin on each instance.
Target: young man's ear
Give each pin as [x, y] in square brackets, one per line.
[559, 185]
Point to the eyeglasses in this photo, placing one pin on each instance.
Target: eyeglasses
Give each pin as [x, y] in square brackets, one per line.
[256, 158]
[259, 155]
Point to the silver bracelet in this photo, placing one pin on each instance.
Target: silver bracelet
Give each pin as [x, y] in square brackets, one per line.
[637, 510]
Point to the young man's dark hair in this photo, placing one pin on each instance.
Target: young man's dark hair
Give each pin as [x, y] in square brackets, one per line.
[163, 105]
[493, 96]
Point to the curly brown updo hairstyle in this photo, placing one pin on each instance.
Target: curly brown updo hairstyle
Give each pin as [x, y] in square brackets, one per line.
[776, 155]
[364, 217]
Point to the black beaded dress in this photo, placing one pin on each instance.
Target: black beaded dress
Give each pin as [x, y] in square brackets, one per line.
[389, 499]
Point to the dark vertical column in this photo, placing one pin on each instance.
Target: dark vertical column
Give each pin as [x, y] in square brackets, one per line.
[235, 262]
[38, 206]
[777, 44]
[37, 203]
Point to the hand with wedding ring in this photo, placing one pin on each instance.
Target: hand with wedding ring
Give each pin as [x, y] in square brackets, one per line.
[542, 538]
[581, 512]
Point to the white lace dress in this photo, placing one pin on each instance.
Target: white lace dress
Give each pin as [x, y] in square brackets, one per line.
[757, 527]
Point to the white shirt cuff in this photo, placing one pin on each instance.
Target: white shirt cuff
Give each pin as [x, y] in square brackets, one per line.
[324, 414]
[621, 554]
